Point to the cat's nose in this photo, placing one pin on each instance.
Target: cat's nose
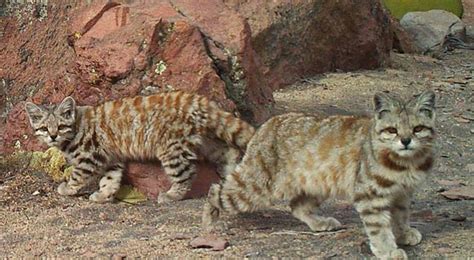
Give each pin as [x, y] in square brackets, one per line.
[406, 141]
[53, 137]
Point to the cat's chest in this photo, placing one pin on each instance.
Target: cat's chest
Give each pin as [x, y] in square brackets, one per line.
[406, 179]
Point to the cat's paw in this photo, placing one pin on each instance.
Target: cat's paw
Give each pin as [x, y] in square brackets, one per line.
[164, 198]
[325, 224]
[410, 237]
[65, 190]
[100, 197]
[215, 227]
[398, 254]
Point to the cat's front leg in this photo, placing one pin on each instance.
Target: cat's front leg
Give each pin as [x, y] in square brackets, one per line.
[405, 235]
[79, 178]
[376, 216]
[109, 184]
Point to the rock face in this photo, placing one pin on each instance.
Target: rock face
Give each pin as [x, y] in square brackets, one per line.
[235, 52]
[428, 29]
[299, 39]
[110, 50]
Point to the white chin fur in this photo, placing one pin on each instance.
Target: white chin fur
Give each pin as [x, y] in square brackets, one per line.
[405, 153]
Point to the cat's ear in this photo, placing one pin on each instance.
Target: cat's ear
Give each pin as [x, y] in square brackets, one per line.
[383, 103]
[34, 112]
[67, 108]
[425, 103]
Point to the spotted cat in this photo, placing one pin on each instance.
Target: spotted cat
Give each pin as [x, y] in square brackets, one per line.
[172, 127]
[376, 162]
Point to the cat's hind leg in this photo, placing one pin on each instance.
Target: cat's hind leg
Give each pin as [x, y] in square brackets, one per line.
[109, 184]
[224, 156]
[212, 208]
[303, 208]
[181, 171]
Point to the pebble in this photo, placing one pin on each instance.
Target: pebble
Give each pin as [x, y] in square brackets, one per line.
[458, 218]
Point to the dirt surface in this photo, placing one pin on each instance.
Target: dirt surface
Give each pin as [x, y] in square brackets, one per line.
[36, 221]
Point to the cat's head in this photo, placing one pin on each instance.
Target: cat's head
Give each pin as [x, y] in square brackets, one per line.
[405, 128]
[53, 124]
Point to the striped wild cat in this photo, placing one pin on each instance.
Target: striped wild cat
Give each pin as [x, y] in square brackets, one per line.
[172, 127]
[375, 162]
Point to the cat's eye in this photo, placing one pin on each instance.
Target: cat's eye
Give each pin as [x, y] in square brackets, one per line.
[44, 129]
[67, 114]
[62, 127]
[36, 118]
[391, 130]
[418, 129]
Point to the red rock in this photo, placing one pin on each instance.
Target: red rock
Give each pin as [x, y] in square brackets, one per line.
[103, 50]
[150, 179]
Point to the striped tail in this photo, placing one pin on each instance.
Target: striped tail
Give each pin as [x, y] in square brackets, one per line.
[229, 128]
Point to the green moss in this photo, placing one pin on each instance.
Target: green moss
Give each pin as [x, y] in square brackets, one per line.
[398, 8]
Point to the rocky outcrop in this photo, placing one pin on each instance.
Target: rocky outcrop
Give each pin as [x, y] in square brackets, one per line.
[110, 50]
[299, 39]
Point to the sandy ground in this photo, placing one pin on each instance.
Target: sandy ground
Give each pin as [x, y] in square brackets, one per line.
[36, 221]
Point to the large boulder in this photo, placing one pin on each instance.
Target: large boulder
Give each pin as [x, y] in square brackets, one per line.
[109, 50]
[429, 29]
[299, 39]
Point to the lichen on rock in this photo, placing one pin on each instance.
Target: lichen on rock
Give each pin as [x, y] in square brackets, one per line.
[52, 162]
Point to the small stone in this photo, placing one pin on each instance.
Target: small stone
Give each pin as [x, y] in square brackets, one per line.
[458, 218]
[444, 250]
[210, 241]
[450, 183]
[460, 193]
[118, 256]
[180, 236]
[36, 193]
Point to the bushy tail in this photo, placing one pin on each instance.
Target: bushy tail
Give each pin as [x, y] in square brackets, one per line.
[229, 128]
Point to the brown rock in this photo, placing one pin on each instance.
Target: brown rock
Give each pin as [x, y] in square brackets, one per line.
[460, 193]
[209, 241]
[298, 39]
[227, 38]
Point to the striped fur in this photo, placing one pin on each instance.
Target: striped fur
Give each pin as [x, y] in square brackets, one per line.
[173, 127]
[375, 162]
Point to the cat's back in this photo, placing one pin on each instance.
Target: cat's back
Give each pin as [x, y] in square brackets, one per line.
[176, 103]
[297, 129]
[141, 123]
